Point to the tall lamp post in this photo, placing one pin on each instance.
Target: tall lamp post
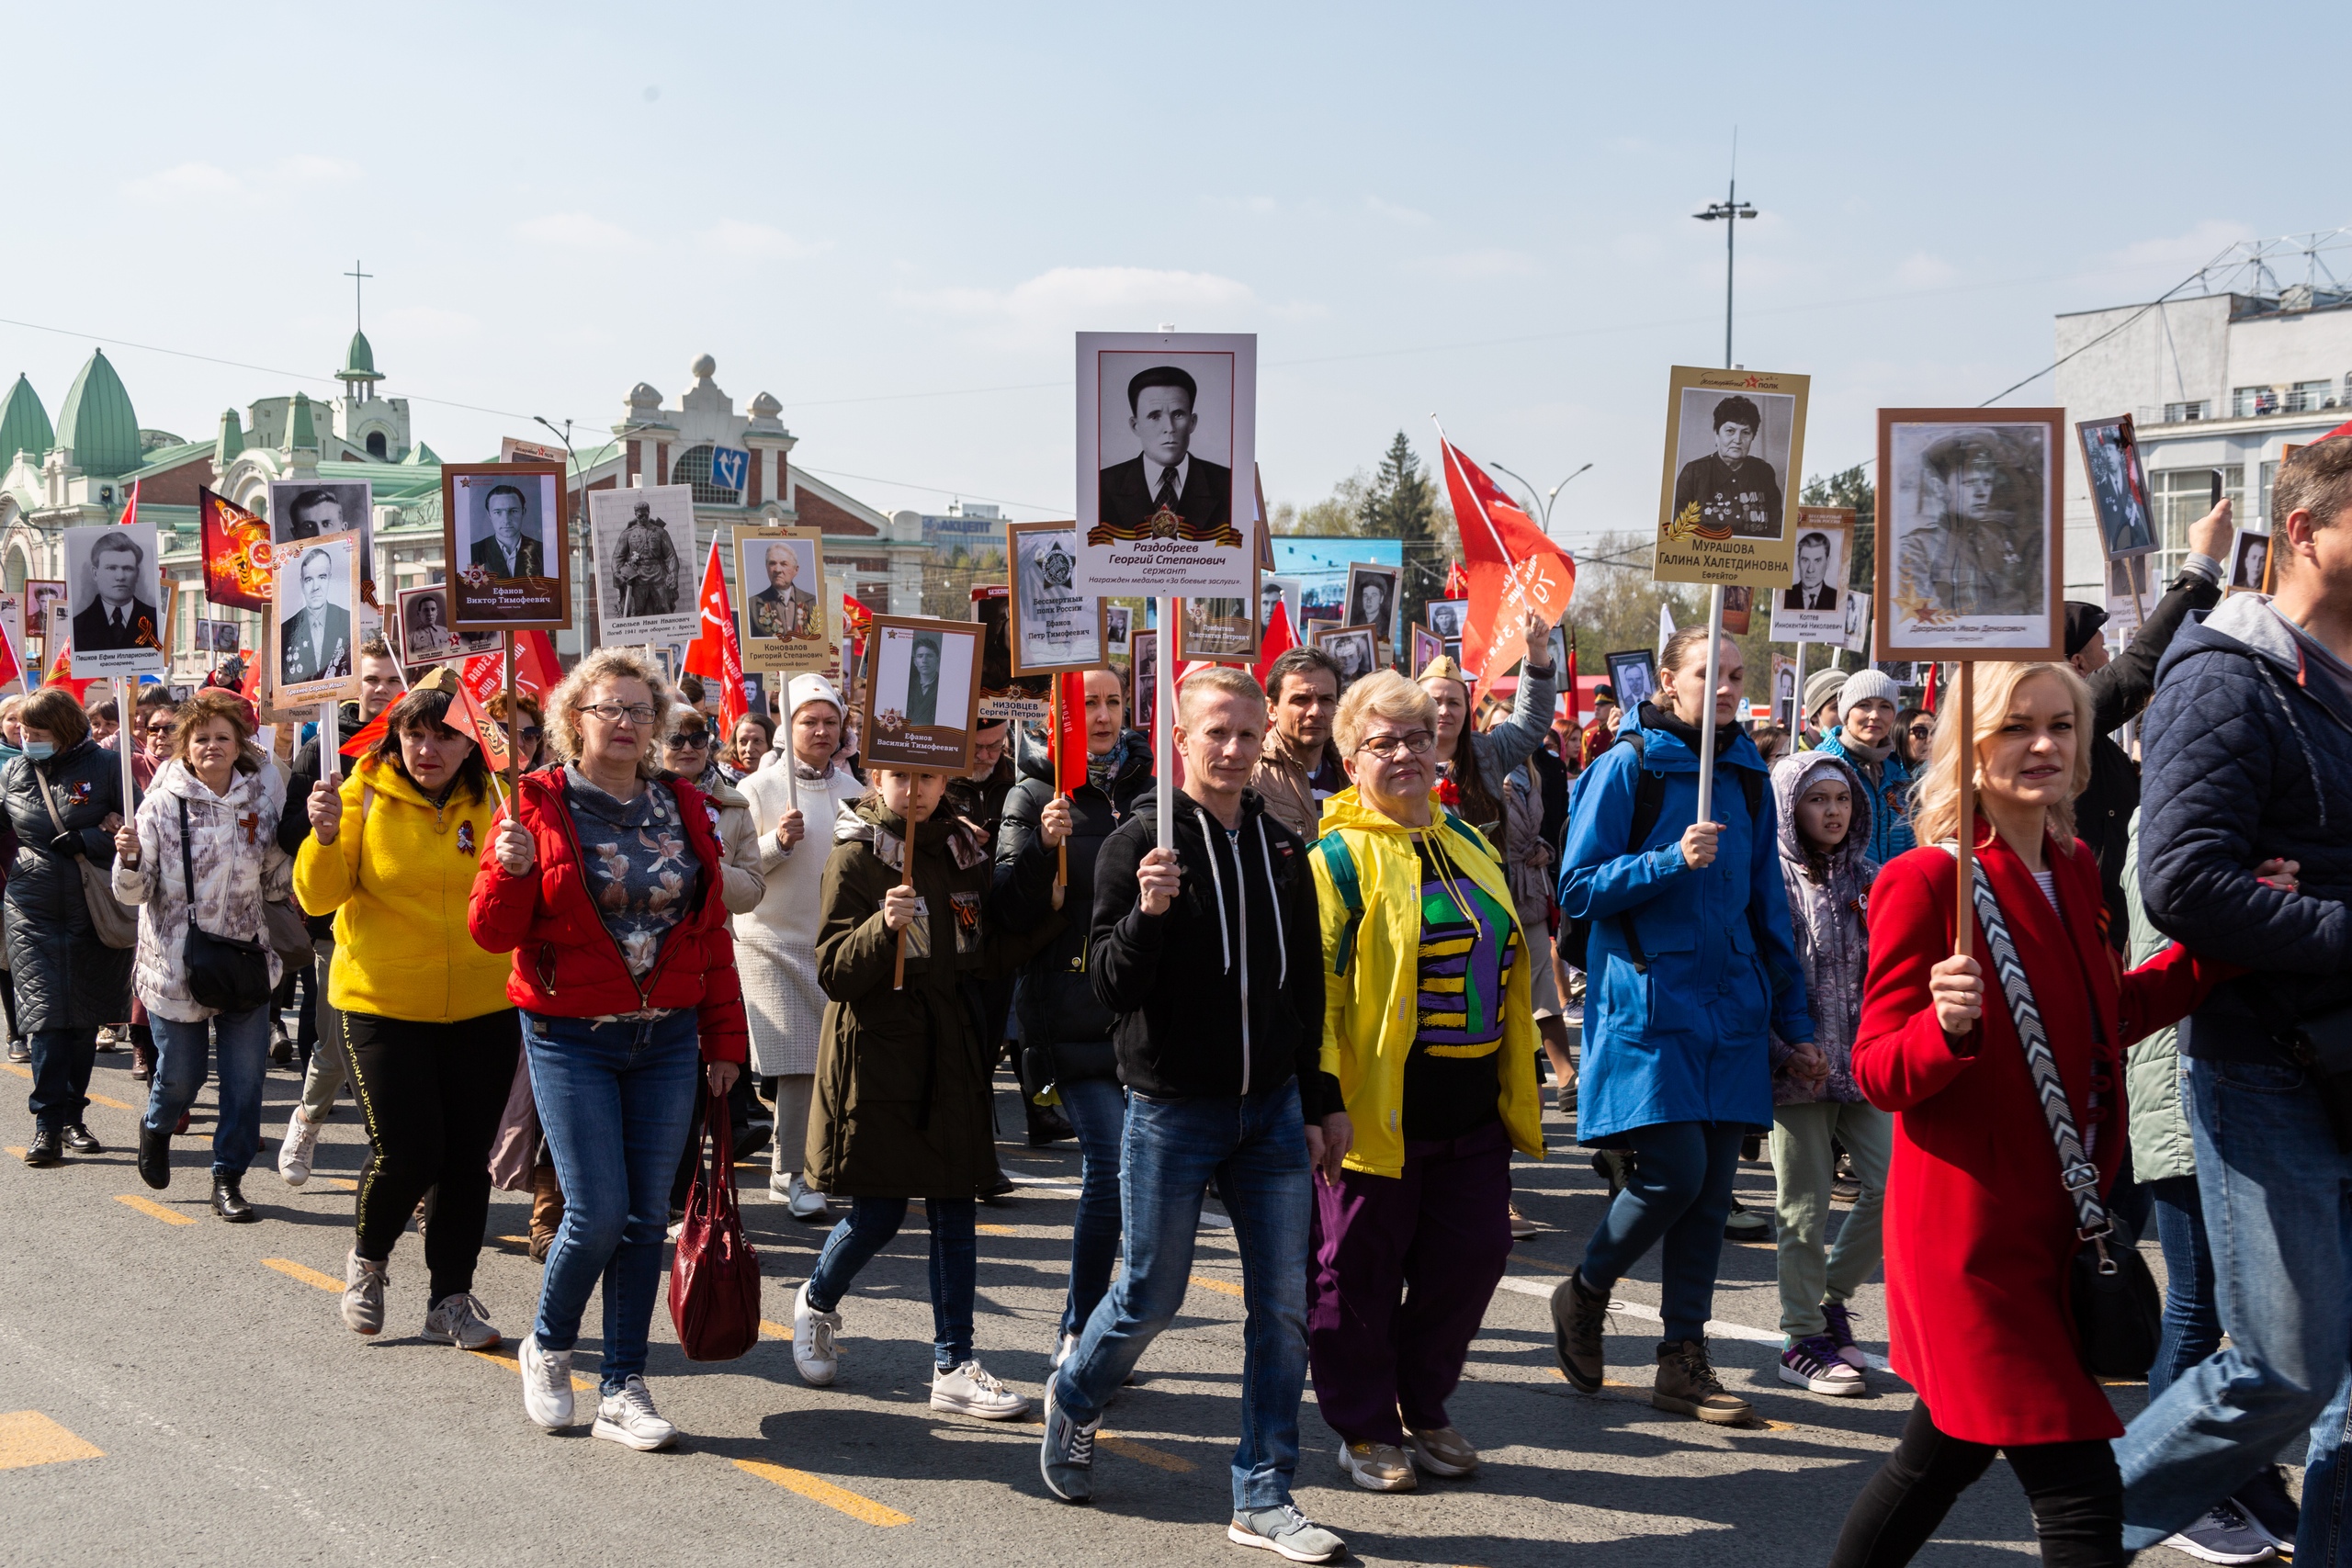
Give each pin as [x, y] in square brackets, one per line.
[1544, 519]
[1728, 212]
[578, 534]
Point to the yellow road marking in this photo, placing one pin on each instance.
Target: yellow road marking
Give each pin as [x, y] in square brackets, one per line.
[23, 1071]
[503, 1356]
[863, 1510]
[775, 1330]
[1159, 1459]
[28, 1437]
[150, 1207]
[340, 1183]
[522, 1241]
[294, 1270]
[1222, 1287]
[15, 1153]
[994, 1230]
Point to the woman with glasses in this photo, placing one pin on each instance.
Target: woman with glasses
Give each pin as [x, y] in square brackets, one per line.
[1914, 729]
[606, 884]
[688, 752]
[1426, 1007]
[752, 737]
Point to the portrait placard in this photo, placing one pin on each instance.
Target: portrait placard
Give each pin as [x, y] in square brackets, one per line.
[315, 593]
[2250, 564]
[1287, 592]
[1632, 675]
[1739, 608]
[1116, 618]
[1054, 626]
[786, 626]
[44, 597]
[1784, 691]
[1427, 648]
[922, 703]
[502, 536]
[1447, 617]
[1166, 435]
[304, 509]
[1857, 622]
[425, 636]
[2119, 487]
[1970, 559]
[1372, 600]
[1143, 676]
[644, 542]
[114, 591]
[12, 621]
[1222, 631]
[1004, 696]
[2124, 608]
[1734, 445]
[513, 449]
[1811, 606]
[1355, 647]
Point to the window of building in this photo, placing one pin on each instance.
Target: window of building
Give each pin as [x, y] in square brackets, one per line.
[2304, 396]
[692, 466]
[2180, 496]
[2261, 518]
[2176, 413]
[2246, 402]
[376, 444]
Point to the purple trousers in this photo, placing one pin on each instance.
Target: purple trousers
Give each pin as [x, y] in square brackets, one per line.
[1404, 1267]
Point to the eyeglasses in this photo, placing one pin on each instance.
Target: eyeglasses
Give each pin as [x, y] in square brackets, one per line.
[612, 712]
[1419, 742]
[1922, 731]
[689, 740]
[531, 734]
[163, 727]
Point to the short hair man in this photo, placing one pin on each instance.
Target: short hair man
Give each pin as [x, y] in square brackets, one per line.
[512, 548]
[1164, 492]
[117, 618]
[783, 609]
[1730, 488]
[2248, 748]
[1813, 590]
[314, 512]
[1210, 957]
[1299, 768]
[315, 643]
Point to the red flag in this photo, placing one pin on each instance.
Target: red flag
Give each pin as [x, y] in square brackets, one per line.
[236, 553]
[1279, 639]
[1457, 582]
[369, 735]
[61, 672]
[538, 670]
[715, 654]
[1927, 703]
[1513, 567]
[478, 679]
[1069, 741]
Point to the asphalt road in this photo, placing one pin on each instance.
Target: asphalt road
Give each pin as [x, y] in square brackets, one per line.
[177, 1390]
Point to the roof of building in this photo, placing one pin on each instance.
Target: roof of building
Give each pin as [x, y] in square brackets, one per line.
[24, 423]
[359, 363]
[96, 421]
[166, 457]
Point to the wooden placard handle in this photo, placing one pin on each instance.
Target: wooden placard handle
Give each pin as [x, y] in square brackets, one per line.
[1964, 925]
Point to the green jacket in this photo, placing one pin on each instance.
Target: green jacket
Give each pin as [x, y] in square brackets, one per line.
[2161, 1146]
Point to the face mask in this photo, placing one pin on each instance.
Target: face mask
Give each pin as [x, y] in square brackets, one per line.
[41, 751]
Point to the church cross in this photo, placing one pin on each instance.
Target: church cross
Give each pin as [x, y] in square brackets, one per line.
[357, 282]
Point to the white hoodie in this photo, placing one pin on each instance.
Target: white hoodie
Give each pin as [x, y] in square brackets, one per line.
[238, 867]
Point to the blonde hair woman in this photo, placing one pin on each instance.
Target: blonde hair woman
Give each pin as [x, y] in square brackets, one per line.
[1980, 1230]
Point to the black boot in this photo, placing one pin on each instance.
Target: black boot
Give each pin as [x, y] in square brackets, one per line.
[229, 1202]
[154, 1157]
[48, 1147]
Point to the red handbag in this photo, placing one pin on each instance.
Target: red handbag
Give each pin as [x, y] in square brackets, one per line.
[715, 1278]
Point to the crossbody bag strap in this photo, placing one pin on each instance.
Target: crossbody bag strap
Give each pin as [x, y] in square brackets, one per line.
[188, 861]
[48, 799]
[2075, 1167]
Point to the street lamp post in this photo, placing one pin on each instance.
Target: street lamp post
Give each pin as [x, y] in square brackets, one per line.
[1544, 519]
[578, 534]
[1727, 211]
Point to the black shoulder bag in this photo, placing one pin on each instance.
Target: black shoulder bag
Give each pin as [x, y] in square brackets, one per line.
[2119, 1315]
[223, 972]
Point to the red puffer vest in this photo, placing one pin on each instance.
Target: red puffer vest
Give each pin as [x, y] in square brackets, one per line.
[567, 965]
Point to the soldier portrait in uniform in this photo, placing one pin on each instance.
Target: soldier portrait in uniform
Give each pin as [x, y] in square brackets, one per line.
[924, 693]
[644, 542]
[1970, 520]
[2119, 491]
[314, 641]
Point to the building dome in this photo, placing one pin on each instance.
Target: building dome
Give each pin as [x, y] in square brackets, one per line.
[764, 406]
[96, 421]
[24, 423]
[359, 363]
[643, 396]
[705, 367]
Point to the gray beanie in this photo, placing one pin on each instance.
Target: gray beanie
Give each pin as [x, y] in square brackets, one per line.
[1820, 686]
[1865, 684]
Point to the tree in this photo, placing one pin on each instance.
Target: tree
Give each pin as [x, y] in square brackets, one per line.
[1852, 488]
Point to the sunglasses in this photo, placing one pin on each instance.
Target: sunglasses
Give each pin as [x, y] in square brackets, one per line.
[690, 739]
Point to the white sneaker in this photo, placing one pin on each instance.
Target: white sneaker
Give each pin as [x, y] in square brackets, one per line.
[363, 1293]
[457, 1320]
[812, 1341]
[805, 1201]
[628, 1417]
[1062, 1348]
[294, 1149]
[972, 1390]
[547, 1383]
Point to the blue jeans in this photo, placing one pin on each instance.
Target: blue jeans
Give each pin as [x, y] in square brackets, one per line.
[2192, 1320]
[1097, 1109]
[63, 1060]
[179, 1073]
[2276, 1190]
[1256, 1147]
[954, 1266]
[615, 1100]
[1678, 1193]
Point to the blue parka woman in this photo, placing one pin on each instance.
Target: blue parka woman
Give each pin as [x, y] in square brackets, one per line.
[1691, 964]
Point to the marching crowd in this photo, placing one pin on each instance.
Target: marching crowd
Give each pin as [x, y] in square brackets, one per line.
[1332, 1004]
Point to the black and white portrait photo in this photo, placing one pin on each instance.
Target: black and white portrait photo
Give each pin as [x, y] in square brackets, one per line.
[227, 636]
[1819, 559]
[1811, 608]
[426, 634]
[1446, 618]
[113, 588]
[1143, 674]
[304, 509]
[780, 601]
[497, 521]
[1116, 618]
[1354, 647]
[1858, 624]
[2249, 563]
[316, 591]
[1632, 675]
[1283, 590]
[1970, 511]
[925, 687]
[1220, 630]
[44, 597]
[644, 545]
[1165, 460]
[1734, 452]
[1055, 625]
[1372, 598]
[2118, 490]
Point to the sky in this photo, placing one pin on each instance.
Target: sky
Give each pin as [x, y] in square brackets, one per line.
[894, 218]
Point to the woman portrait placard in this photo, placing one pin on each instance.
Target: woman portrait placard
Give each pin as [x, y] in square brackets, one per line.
[921, 704]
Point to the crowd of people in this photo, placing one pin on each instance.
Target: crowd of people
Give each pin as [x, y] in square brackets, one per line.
[1390, 907]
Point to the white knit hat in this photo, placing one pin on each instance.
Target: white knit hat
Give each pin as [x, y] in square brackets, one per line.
[1865, 684]
[807, 689]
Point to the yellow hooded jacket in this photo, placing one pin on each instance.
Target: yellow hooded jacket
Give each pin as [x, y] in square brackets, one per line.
[399, 884]
[1370, 1019]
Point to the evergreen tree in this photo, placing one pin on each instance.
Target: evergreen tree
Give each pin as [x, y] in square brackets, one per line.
[1402, 504]
[1852, 488]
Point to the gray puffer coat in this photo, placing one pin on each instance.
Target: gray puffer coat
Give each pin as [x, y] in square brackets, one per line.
[65, 977]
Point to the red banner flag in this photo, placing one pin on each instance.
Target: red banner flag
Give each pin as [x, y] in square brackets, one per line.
[236, 553]
[479, 678]
[538, 670]
[1457, 582]
[1513, 567]
[1279, 639]
[369, 735]
[1070, 739]
[714, 654]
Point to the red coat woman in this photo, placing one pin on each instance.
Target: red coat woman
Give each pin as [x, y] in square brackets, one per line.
[1980, 1231]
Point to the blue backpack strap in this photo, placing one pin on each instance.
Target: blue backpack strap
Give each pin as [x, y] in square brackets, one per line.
[1341, 865]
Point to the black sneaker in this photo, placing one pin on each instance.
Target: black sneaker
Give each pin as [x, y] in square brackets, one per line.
[2269, 1507]
[154, 1157]
[2223, 1535]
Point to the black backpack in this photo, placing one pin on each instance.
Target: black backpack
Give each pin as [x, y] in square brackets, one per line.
[1649, 799]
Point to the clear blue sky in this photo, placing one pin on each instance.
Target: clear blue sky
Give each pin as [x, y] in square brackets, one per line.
[871, 213]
